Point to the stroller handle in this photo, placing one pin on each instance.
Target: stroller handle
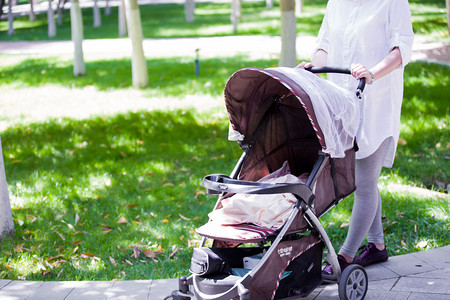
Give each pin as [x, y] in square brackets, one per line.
[362, 81]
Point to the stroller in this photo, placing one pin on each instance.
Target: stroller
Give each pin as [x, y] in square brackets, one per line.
[274, 120]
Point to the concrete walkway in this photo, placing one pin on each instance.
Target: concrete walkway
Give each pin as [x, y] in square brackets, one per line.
[421, 275]
[251, 46]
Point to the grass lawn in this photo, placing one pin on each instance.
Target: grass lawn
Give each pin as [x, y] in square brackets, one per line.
[89, 195]
[213, 19]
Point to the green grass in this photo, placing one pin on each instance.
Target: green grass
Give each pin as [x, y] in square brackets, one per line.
[167, 76]
[213, 19]
[71, 181]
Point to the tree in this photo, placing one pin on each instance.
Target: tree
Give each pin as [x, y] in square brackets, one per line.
[298, 7]
[235, 14]
[32, 14]
[122, 19]
[269, 4]
[189, 7]
[6, 222]
[107, 8]
[288, 57]
[60, 10]
[76, 22]
[138, 62]
[10, 18]
[97, 15]
[51, 20]
[448, 14]
[2, 3]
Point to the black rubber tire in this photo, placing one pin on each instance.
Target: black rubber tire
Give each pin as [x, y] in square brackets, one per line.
[353, 283]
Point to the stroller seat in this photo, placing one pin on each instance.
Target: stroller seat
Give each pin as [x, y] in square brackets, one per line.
[239, 233]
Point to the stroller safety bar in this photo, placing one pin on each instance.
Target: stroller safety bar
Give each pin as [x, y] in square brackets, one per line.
[362, 81]
[217, 183]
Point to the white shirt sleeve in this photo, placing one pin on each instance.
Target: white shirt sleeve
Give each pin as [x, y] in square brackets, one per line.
[400, 30]
[322, 38]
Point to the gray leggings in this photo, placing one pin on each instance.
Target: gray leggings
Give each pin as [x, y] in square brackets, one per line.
[366, 213]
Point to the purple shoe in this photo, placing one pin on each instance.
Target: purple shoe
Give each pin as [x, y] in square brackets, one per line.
[371, 255]
[327, 272]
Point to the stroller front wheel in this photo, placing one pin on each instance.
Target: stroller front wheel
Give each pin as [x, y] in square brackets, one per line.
[353, 283]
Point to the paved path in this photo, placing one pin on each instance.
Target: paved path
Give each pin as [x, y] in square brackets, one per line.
[252, 46]
[421, 275]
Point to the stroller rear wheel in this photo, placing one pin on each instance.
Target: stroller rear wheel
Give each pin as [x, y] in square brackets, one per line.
[353, 283]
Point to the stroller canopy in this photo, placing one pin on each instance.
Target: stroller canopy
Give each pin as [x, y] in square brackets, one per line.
[331, 112]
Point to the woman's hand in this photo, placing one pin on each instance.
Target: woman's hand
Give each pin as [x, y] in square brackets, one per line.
[304, 65]
[359, 71]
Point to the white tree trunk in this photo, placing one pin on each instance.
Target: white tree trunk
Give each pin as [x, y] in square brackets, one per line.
[51, 20]
[298, 7]
[10, 18]
[189, 7]
[235, 14]
[269, 4]
[122, 19]
[138, 62]
[288, 56]
[59, 11]
[6, 221]
[76, 22]
[32, 14]
[107, 8]
[448, 14]
[97, 16]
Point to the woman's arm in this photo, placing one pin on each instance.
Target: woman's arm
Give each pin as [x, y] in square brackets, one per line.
[384, 67]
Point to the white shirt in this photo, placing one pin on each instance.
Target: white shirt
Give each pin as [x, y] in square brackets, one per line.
[365, 31]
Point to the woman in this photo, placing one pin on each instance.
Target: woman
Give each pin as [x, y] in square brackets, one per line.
[374, 38]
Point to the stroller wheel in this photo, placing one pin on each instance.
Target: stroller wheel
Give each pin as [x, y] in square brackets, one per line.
[353, 283]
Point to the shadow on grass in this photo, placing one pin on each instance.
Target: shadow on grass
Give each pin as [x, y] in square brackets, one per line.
[167, 76]
[424, 149]
[72, 181]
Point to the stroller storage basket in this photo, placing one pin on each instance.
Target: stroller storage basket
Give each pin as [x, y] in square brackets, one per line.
[293, 269]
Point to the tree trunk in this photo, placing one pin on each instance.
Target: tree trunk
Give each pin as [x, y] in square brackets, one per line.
[122, 19]
[6, 221]
[51, 20]
[60, 10]
[189, 7]
[32, 14]
[138, 62]
[269, 4]
[76, 21]
[107, 8]
[97, 16]
[288, 57]
[448, 14]
[235, 14]
[298, 7]
[10, 18]
[2, 3]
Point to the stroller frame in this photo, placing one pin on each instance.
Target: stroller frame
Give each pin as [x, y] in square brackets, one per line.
[352, 282]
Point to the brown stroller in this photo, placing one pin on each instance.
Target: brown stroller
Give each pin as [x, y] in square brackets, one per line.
[277, 126]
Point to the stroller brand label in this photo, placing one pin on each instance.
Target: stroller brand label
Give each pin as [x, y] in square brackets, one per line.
[284, 251]
[223, 187]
